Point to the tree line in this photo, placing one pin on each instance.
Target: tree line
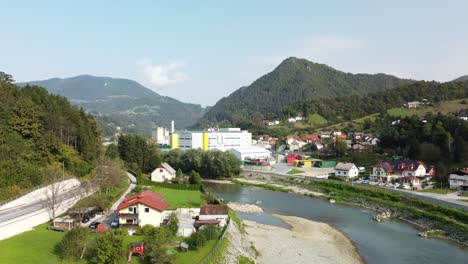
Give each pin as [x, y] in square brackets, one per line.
[39, 130]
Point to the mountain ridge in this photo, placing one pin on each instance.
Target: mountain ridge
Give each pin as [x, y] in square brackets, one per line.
[124, 102]
[294, 79]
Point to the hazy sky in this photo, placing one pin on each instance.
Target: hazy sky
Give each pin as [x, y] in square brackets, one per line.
[200, 51]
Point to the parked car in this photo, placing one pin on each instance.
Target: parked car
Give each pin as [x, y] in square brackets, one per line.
[381, 184]
[85, 219]
[406, 187]
[396, 185]
[94, 225]
[365, 182]
[115, 223]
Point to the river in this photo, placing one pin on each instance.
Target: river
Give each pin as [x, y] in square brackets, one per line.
[381, 243]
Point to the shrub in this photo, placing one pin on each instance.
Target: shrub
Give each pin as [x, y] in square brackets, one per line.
[197, 240]
[74, 243]
[109, 249]
[173, 224]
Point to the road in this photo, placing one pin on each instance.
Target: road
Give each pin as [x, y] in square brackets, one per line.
[19, 211]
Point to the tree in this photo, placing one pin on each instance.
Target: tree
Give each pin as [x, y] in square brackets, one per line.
[198, 239]
[441, 174]
[5, 77]
[460, 149]
[414, 150]
[75, 243]
[109, 249]
[27, 119]
[109, 174]
[179, 173]
[112, 151]
[195, 178]
[53, 192]
[174, 224]
[340, 147]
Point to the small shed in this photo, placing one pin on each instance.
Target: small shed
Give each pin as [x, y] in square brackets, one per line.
[64, 223]
[183, 246]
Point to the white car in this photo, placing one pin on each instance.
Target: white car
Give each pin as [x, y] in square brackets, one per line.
[406, 187]
[381, 184]
[396, 185]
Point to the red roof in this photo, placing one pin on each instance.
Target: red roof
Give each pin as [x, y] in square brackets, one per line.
[213, 209]
[207, 222]
[148, 198]
[312, 137]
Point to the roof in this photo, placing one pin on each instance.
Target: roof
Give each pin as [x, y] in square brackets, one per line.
[250, 150]
[207, 222]
[213, 209]
[344, 166]
[167, 167]
[400, 165]
[461, 172]
[148, 198]
[312, 137]
[65, 219]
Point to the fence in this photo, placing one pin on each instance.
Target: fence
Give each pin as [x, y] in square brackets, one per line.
[215, 248]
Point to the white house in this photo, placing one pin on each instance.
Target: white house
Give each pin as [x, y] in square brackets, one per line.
[145, 208]
[291, 120]
[458, 178]
[405, 171]
[213, 214]
[346, 170]
[162, 173]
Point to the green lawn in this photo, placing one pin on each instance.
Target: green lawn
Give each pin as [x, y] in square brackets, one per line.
[195, 256]
[316, 119]
[180, 198]
[295, 171]
[35, 247]
[437, 190]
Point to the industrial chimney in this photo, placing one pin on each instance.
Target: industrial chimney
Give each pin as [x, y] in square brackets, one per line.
[172, 126]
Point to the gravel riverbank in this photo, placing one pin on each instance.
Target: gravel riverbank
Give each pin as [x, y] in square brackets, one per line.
[305, 242]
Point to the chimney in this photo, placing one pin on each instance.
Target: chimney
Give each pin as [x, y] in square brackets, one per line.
[172, 126]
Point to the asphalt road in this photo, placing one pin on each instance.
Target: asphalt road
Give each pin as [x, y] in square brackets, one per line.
[18, 211]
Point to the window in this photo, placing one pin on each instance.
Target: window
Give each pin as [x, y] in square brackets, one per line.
[160, 170]
[146, 210]
[130, 209]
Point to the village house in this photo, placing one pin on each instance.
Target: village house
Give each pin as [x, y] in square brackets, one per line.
[348, 170]
[407, 172]
[162, 173]
[312, 138]
[213, 214]
[145, 208]
[291, 120]
[458, 178]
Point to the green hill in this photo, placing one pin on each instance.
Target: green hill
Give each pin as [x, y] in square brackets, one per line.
[38, 130]
[294, 80]
[123, 102]
[461, 79]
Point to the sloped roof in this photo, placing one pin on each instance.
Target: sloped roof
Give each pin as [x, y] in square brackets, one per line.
[148, 198]
[344, 166]
[167, 167]
[213, 209]
[400, 165]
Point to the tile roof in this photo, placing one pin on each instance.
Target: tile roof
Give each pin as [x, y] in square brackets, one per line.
[344, 166]
[400, 165]
[213, 209]
[148, 198]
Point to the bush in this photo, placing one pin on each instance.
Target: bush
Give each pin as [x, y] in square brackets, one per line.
[197, 240]
[210, 232]
[109, 249]
[173, 224]
[74, 243]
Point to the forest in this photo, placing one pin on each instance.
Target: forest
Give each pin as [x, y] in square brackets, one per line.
[39, 130]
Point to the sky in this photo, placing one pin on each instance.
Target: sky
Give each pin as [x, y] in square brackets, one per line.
[201, 51]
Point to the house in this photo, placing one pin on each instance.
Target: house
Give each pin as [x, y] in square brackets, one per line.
[405, 171]
[348, 170]
[213, 214]
[312, 138]
[251, 153]
[458, 178]
[145, 208]
[292, 120]
[162, 173]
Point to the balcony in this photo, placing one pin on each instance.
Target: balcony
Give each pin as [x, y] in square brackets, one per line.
[129, 214]
[129, 226]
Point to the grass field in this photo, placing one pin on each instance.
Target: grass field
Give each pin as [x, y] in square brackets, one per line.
[34, 247]
[295, 171]
[437, 190]
[180, 198]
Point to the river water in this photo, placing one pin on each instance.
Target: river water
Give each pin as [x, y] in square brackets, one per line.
[387, 242]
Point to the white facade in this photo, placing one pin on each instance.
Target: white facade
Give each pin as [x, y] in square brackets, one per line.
[222, 139]
[251, 153]
[221, 218]
[161, 135]
[457, 179]
[346, 170]
[163, 173]
[190, 140]
[143, 215]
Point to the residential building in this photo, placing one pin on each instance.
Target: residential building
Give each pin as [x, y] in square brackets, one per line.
[292, 120]
[213, 214]
[251, 153]
[145, 208]
[348, 170]
[162, 173]
[222, 139]
[458, 178]
[404, 171]
[414, 104]
[161, 136]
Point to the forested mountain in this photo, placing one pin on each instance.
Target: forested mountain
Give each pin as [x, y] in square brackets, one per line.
[293, 80]
[461, 79]
[39, 130]
[356, 106]
[124, 102]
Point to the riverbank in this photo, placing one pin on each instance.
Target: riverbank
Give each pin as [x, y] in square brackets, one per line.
[305, 242]
[282, 187]
[423, 214]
